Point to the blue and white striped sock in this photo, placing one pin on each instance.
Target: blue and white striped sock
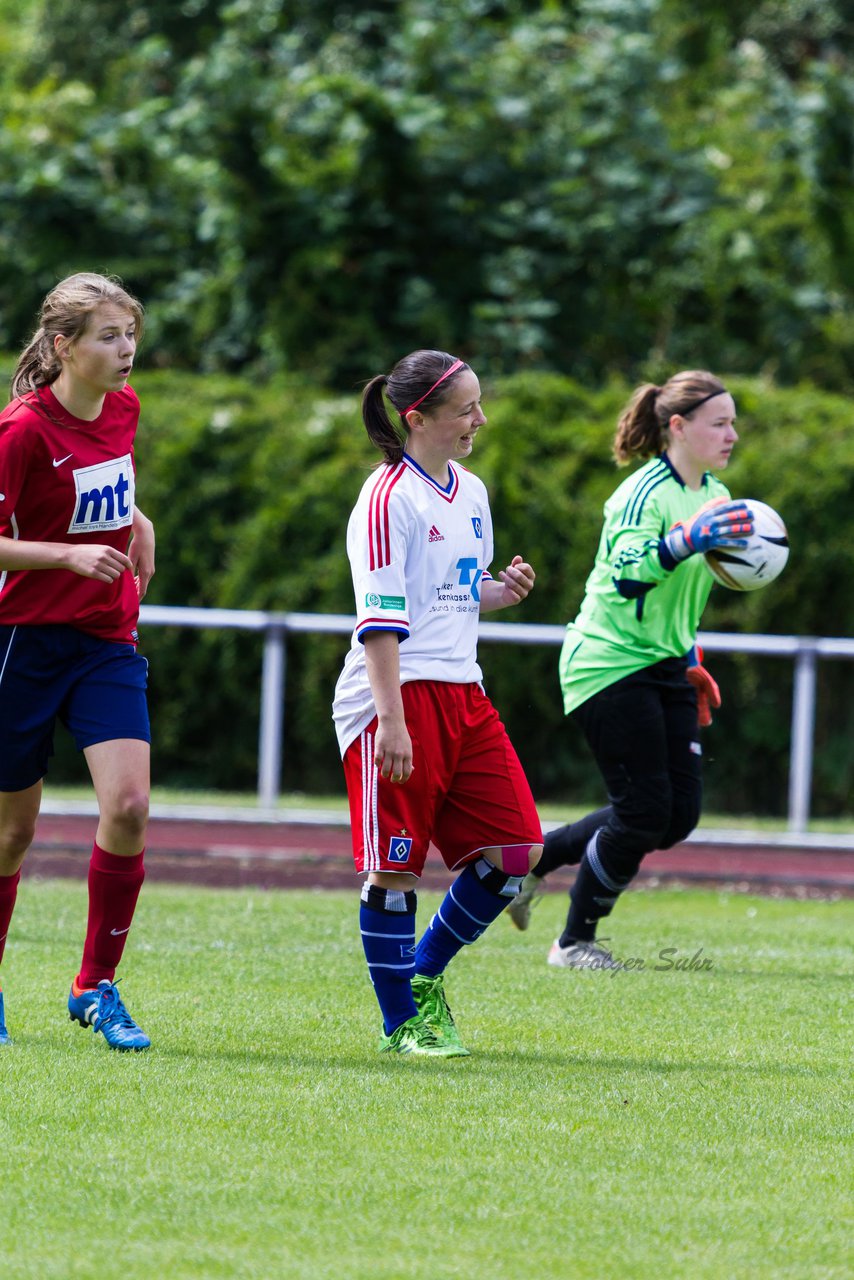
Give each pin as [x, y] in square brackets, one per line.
[469, 908]
[387, 924]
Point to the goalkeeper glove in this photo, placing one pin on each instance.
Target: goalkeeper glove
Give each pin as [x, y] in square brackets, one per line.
[708, 693]
[717, 523]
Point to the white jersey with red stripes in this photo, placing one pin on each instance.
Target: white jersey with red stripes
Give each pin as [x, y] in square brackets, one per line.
[418, 554]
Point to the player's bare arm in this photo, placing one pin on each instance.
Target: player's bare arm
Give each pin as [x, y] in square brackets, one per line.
[90, 560]
[141, 551]
[392, 745]
[510, 587]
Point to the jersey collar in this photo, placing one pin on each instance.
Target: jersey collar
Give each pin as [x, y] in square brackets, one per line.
[676, 476]
[448, 491]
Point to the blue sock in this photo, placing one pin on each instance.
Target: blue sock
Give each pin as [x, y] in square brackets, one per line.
[476, 898]
[387, 924]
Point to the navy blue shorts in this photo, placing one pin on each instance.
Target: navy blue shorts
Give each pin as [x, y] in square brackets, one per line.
[95, 687]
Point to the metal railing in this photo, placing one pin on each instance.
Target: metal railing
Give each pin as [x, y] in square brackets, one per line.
[805, 651]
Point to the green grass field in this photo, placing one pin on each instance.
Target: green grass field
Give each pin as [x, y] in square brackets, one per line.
[677, 1122]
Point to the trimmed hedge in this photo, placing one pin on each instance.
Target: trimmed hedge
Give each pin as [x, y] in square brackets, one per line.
[250, 487]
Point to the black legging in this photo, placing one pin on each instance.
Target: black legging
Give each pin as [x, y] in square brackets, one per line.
[644, 734]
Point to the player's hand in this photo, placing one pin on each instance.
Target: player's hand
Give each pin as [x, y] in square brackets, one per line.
[518, 580]
[141, 551]
[717, 523]
[708, 693]
[94, 560]
[393, 751]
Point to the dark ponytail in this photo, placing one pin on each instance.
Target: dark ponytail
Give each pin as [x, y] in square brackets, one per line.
[416, 379]
[639, 434]
[382, 432]
[642, 426]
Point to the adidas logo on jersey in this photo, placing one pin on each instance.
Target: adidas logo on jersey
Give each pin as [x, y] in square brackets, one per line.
[435, 535]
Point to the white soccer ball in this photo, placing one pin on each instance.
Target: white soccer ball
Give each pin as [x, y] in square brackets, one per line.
[761, 561]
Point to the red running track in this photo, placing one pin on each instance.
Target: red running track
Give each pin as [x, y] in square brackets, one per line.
[291, 855]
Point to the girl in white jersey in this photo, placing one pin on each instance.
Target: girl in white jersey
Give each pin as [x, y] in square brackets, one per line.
[426, 758]
[76, 556]
[630, 672]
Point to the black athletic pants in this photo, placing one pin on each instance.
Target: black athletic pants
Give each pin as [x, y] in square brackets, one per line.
[644, 735]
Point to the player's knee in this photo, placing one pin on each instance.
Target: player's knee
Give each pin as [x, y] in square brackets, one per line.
[514, 859]
[640, 825]
[403, 880]
[128, 813]
[16, 836]
[683, 820]
[502, 869]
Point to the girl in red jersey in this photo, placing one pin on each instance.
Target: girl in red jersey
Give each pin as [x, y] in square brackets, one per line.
[76, 557]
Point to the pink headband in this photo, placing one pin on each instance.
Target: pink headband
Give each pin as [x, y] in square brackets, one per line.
[458, 364]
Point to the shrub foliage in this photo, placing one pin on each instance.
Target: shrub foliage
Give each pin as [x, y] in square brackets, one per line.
[251, 485]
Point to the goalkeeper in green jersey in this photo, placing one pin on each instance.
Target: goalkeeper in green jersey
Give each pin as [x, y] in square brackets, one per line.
[630, 670]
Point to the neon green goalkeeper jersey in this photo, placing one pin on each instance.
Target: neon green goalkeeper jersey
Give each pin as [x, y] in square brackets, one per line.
[635, 612]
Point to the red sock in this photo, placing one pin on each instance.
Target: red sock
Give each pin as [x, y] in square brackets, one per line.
[114, 885]
[8, 894]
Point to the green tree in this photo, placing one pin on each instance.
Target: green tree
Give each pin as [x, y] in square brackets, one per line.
[251, 486]
[607, 185]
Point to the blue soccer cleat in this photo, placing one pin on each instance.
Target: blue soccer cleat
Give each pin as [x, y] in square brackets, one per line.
[103, 1010]
[5, 1038]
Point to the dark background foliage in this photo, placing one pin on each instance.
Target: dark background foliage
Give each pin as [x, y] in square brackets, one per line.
[593, 187]
[575, 196]
[251, 486]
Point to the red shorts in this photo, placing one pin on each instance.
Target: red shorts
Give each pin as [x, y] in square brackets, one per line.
[467, 791]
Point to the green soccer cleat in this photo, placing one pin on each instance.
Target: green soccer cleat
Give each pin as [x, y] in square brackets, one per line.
[429, 997]
[531, 893]
[416, 1037]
